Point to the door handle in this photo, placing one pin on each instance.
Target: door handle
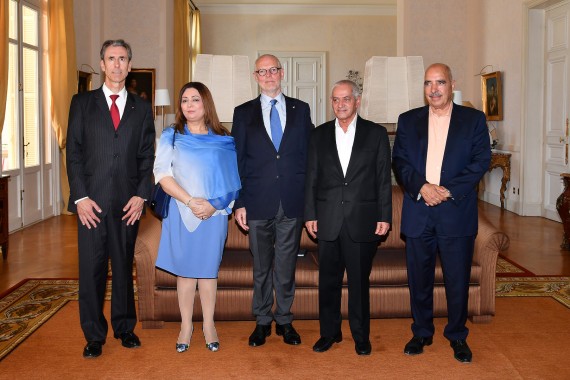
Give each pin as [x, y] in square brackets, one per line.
[562, 140]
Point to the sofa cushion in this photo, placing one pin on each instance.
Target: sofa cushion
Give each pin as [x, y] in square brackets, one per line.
[236, 270]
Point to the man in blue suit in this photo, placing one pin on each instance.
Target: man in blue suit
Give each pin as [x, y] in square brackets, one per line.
[271, 133]
[440, 154]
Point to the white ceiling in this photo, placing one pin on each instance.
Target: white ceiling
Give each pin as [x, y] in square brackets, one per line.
[295, 2]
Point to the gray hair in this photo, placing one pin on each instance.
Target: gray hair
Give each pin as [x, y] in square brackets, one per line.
[355, 88]
[122, 43]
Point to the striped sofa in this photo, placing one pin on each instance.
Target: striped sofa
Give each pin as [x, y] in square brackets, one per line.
[389, 294]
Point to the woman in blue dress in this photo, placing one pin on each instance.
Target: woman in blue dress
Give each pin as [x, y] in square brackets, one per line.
[196, 164]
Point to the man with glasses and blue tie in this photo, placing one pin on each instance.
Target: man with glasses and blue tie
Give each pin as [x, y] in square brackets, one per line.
[271, 134]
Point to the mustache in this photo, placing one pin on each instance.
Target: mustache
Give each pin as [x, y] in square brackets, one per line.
[437, 93]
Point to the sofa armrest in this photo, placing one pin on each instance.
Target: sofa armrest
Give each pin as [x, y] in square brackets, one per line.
[488, 244]
[146, 251]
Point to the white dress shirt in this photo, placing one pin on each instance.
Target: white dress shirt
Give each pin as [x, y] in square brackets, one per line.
[344, 142]
[121, 100]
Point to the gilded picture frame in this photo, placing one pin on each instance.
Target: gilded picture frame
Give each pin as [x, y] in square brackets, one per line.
[492, 95]
[141, 82]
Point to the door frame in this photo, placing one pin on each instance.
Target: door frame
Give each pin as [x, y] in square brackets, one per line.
[322, 103]
[532, 110]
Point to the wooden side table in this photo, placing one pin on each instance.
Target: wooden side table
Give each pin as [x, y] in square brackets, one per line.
[563, 208]
[503, 161]
[4, 215]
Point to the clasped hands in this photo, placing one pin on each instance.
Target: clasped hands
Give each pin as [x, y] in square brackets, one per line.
[86, 211]
[434, 194]
[201, 208]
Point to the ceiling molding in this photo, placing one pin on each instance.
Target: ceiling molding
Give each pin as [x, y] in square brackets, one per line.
[299, 9]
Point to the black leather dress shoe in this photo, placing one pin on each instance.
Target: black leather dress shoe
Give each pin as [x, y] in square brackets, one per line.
[129, 339]
[363, 348]
[290, 335]
[416, 345]
[461, 351]
[93, 349]
[257, 337]
[324, 343]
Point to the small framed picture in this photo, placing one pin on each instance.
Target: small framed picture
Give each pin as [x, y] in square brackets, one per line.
[492, 91]
[141, 83]
[83, 81]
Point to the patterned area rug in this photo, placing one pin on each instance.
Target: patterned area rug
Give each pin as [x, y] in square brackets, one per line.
[24, 309]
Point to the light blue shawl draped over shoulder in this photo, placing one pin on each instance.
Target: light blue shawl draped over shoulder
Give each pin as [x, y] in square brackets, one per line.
[203, 165]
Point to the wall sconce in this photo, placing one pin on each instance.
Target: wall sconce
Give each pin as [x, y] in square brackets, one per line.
[354, 75]
[161, 99]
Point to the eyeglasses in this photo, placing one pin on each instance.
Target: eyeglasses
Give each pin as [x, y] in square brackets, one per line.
[264, 72]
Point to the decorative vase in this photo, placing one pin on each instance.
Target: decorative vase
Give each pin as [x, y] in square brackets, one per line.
[563, 208]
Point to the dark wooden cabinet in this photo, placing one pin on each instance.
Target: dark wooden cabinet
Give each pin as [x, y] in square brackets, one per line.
[4, 215]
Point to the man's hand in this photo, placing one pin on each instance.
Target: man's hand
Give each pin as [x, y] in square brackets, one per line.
[311, 226]
[382, 228]
[133, 209]
[201, 208]
[434, 194]
[241, 218]
[86, 214]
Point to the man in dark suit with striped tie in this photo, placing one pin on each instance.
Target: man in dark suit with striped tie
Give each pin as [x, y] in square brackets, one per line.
[110, 154]
[271, 134]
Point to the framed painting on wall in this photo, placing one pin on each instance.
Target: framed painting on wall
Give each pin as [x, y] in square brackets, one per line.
[492, 92]
[141, 82]
[83, 81]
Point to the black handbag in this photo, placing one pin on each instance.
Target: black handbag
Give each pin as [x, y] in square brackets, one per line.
[159, 200]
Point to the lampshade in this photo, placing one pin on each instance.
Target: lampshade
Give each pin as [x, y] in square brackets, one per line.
[392, 85]
[228, 78]
[161, 97]
[457, 97]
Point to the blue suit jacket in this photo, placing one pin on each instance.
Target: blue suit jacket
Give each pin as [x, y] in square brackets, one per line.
[466, 159]
[269, 176]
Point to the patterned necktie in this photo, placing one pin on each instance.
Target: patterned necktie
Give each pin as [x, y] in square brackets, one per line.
[275, 122]
[115, 115]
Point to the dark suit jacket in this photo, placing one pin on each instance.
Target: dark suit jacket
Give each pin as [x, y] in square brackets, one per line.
[105, 165]
[466, 159]
[267, 176]
[363, 197]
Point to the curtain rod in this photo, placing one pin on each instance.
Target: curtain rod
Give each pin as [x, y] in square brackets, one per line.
[192, 5]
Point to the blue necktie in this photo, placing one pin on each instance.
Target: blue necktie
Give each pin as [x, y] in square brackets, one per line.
[275, 122]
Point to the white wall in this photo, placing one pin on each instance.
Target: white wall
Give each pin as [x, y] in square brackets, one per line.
[145, 24]
[468, 35]
[348, 40]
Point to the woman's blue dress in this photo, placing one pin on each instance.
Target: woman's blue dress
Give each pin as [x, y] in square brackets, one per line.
[206, 167]
[194, 254]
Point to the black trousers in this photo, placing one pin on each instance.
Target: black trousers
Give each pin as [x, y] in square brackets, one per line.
[456, 255]
[111, 239]
[334, 257]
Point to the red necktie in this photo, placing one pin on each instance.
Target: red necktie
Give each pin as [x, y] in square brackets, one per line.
[115, 115]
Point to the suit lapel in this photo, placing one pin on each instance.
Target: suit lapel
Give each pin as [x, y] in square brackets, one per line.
[454, 133]
[290, 116]
[360, 134]
[103, 106]
[331, 141]
[259, 121]
[423, 135]
[129, 109]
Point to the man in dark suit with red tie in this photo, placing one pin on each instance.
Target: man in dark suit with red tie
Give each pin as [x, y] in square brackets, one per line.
[348, 207]
[271, 134]
[440, 153]
[110, 154]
